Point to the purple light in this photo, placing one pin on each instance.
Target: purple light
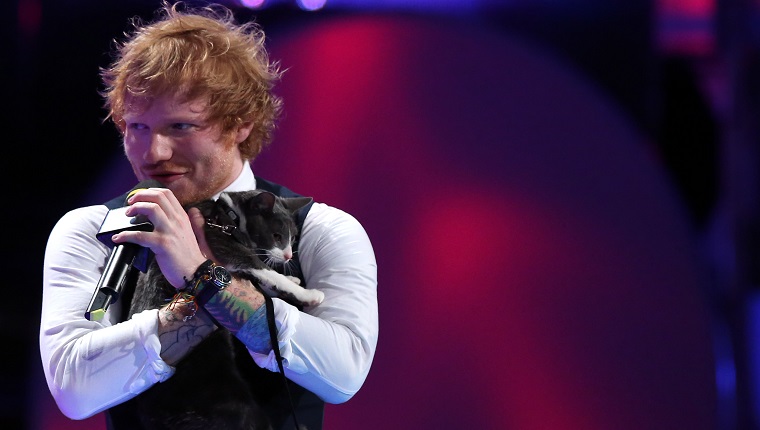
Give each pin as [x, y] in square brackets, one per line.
[253, 4]
[311, 4]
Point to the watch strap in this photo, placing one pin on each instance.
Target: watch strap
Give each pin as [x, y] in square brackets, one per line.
[207, 291]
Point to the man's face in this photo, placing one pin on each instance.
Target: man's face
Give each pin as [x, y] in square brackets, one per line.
[171, 141]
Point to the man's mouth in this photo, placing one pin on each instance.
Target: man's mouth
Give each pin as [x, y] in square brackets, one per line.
[166, 176]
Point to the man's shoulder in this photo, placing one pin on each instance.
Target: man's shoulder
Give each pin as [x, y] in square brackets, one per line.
[80, 221]
[86, 213]
[275, 188]
[324, 216]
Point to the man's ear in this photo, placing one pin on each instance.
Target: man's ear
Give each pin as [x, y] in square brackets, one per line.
[121, 126]
[243, 130]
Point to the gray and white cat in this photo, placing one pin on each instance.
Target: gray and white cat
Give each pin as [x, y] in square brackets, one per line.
[264, 231]
[251, 233]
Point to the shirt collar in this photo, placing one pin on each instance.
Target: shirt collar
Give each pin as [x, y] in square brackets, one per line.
[244, 182]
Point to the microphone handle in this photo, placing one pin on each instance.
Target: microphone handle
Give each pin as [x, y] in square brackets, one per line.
[112, 281]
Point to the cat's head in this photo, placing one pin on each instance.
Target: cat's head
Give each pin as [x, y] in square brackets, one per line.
[266, 219]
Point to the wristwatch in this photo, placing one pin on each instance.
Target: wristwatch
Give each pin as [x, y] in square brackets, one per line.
[211, 278]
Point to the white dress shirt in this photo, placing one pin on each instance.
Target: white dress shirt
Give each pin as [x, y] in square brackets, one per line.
[93, 365]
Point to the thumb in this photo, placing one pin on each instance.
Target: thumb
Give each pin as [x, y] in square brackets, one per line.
[198, 222]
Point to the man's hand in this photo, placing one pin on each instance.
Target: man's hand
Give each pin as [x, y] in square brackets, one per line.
[198, 223]
[173, 239]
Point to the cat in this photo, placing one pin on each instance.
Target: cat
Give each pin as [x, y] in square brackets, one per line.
[264, 237]
[252, 234]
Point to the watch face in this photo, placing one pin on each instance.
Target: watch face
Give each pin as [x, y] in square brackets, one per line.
[221, 276]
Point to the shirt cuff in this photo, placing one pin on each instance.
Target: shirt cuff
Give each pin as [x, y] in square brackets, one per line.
[286, 319]
[156, 369]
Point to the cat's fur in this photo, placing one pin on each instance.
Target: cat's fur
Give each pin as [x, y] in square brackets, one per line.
[269, 228]
[207, 391]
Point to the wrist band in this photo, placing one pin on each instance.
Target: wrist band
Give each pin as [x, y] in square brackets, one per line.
[188, 295]
[192, 284]
[206, 293]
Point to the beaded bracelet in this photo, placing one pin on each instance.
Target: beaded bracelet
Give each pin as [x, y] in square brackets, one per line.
[184, 298]
[201, 274]
[189, 294]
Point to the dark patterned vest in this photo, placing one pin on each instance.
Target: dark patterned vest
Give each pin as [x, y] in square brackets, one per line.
[279, 397]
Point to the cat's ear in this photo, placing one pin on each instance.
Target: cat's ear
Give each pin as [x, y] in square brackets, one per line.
[264, 202]
[293, 204]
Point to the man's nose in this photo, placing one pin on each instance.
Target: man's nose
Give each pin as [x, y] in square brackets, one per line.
[160, 148]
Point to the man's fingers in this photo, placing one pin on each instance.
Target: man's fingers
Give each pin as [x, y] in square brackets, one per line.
[198, 222]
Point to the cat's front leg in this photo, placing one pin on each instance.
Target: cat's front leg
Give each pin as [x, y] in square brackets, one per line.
[283, 286]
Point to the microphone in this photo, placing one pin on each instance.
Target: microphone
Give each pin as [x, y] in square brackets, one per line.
[125, 258]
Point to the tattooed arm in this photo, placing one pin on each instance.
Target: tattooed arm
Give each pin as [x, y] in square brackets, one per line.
[240, 308]
[177, 336]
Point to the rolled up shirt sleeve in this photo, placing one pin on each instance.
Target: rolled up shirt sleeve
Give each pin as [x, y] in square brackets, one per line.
[90, 366]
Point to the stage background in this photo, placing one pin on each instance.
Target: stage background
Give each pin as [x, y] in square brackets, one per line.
[560, 197]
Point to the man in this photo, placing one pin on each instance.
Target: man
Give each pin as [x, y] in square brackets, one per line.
[192, 96]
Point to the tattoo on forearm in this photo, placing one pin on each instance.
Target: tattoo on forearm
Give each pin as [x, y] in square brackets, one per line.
[255, 332]
[181, 336]
[231, 309]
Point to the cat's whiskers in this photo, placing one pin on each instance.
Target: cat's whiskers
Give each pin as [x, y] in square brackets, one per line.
[267, 259]
[286, 267]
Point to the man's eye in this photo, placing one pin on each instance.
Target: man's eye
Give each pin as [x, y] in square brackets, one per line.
[182, 126]
[136, 126]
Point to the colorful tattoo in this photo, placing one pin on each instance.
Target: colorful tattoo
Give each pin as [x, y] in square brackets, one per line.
[255, 332]
[231, 308]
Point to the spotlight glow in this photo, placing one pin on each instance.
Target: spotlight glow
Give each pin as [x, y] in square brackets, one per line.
[252, 4]
[311, 4]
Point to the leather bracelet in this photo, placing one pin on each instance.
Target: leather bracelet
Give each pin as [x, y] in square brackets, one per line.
[192, 284]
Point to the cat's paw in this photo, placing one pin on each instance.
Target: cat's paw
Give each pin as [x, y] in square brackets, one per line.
[313, 297]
